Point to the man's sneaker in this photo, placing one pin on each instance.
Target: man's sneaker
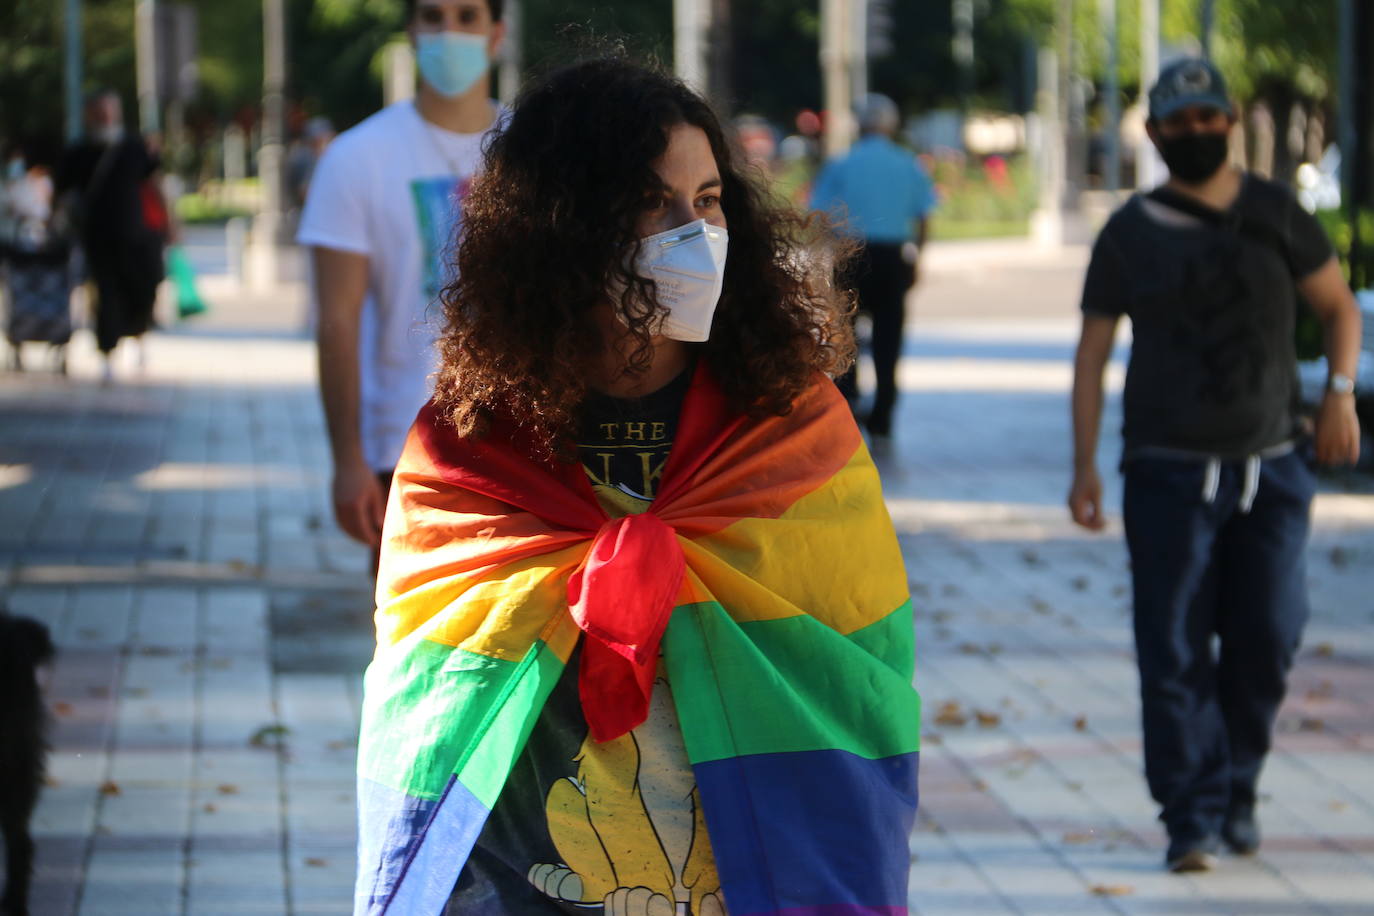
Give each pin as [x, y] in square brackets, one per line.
[1191, 853]
[1241, 831]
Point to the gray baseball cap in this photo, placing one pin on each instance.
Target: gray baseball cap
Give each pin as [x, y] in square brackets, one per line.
[1191, 81]
[877, 112]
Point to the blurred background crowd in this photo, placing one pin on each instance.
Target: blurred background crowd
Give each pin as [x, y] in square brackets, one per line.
[1027, 114]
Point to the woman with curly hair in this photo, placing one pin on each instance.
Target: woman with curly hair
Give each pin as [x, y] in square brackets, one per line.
[644, 639]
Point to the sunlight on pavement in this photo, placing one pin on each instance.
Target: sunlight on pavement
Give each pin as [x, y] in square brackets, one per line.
[177, 476]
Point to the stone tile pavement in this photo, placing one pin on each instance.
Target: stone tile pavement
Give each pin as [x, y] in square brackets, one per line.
[174, 532]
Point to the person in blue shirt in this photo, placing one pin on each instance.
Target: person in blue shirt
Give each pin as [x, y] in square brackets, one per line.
[881, 196]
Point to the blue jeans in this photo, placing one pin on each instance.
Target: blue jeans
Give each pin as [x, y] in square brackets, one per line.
[1203, 568]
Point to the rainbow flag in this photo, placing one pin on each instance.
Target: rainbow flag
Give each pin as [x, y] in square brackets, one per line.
[768, 568]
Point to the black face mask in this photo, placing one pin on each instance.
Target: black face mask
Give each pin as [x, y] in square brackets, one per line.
[1193, 158]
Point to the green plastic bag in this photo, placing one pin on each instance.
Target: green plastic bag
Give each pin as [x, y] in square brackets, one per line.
[183, 278]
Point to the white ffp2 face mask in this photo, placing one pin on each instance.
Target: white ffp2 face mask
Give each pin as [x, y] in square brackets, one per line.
[687, 265]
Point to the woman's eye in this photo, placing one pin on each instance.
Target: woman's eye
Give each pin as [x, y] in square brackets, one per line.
[432, 16]
[708, 203]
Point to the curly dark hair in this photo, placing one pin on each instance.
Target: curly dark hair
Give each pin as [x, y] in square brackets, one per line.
[548, 229]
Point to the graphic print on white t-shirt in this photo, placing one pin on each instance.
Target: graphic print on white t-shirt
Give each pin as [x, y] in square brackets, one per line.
[438, 204]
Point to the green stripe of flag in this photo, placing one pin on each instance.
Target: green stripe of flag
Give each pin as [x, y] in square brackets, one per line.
[426, 705]
[792, 684]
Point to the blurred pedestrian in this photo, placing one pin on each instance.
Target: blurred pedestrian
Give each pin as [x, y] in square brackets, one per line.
[379, 216]
[884, 198]
[1217, 463]
[633, 447]
[35, 254]
[304, 156]
[105, 182]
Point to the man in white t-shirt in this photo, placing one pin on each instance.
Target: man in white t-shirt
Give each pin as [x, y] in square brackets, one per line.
[380, 220]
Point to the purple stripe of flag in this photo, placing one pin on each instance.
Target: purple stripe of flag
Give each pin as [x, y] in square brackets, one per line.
[410, 851]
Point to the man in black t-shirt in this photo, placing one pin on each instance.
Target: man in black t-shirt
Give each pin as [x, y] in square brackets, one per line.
[1218, 487]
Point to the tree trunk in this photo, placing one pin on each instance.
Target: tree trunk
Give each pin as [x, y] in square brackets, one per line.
[721, 57]
[1281, 99]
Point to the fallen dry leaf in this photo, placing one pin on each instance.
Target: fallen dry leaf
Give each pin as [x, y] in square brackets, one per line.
[1323, 650]
[226, 788]
[110, 787]
[62, 709]
[1323, 691]
[950, 713]
[1112, 890]
[1078, 839]
[273, 735]
[1080, 724]
[209, 808]
[316, 862]
[988, 719]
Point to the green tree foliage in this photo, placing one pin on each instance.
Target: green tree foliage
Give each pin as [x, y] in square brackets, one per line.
[336, 46]
[31, 41]
[1260, 42]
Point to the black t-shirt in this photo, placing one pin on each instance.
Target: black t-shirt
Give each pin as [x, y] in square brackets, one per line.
[1212, 309]
[623, 444]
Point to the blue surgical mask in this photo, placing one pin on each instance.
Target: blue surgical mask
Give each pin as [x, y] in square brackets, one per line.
[451, 62]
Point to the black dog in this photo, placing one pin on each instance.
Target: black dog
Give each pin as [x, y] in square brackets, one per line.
[24, 645]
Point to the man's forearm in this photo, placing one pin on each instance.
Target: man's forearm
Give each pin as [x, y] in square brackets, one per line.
[340, 386]
[1342, 330]
[1087, 419]
[1089, 365]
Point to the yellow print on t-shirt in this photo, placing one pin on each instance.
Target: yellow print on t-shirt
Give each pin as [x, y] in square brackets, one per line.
[628, 826]
[646, 442]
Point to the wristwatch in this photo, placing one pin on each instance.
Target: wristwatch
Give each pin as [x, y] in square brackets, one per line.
[1340, 384]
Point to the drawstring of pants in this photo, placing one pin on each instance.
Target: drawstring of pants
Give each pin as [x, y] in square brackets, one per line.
[1211, 482]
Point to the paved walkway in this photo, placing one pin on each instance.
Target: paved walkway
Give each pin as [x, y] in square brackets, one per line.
[174, 532]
